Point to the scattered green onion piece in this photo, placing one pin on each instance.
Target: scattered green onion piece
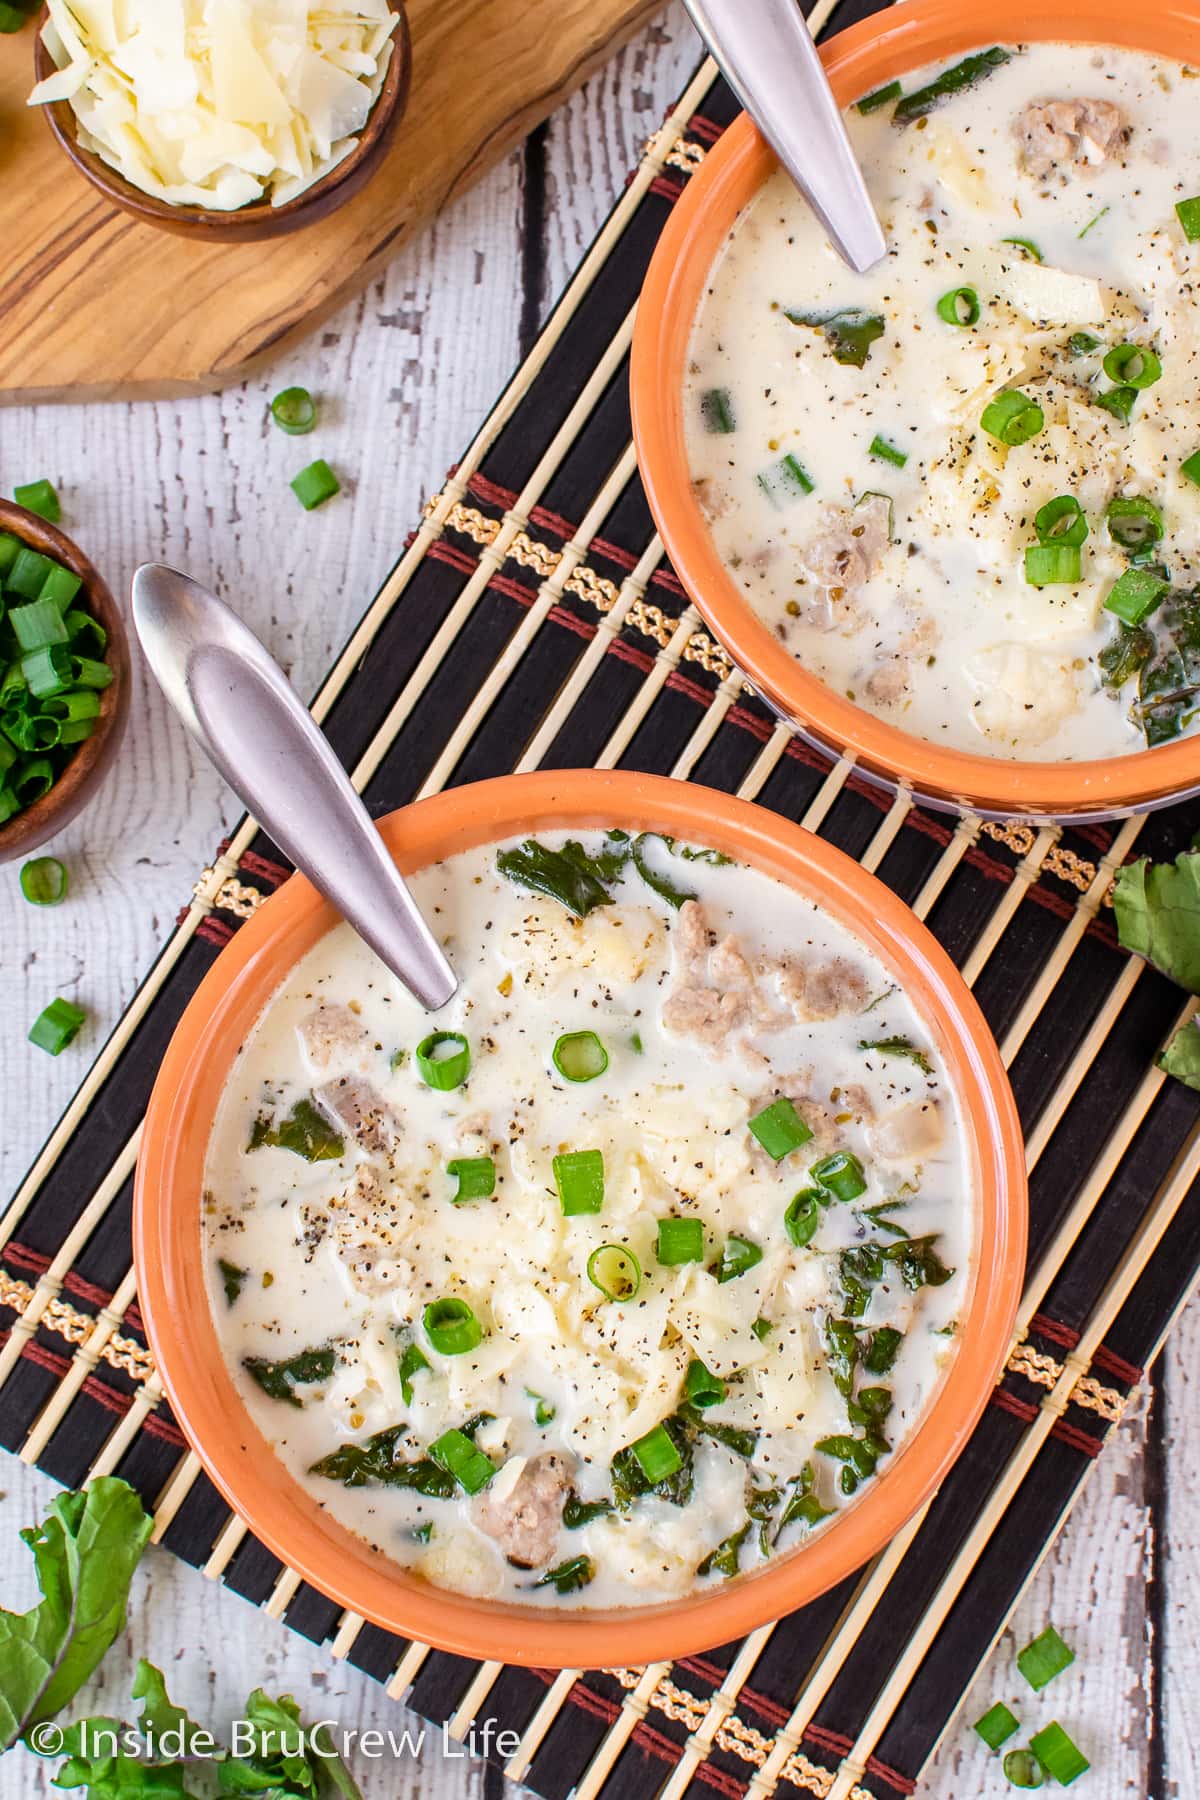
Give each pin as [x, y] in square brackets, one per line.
[44, 881]
[737, 1256]
[1053, 565]
[803, 1215]
[1022, 1769]
[1191, 468]
[997, 1725]
[1134, 522]
[455, 1453]
[1026, 246]
[580, 1056]
[881, 97]
[703, 1388]
[959, 307]
[1094, 220]
[885, 452]
[779, 1128]
[412, 1361]
[543, 1413]
[1012, 417]
[476, 1177]
[294, 411]
[1135, 595]
[38, 625]
[615, 1270]
[32, 780]
[61, 585]
[1132, 365]
[1059, 1756]
[636, 1045]
[955, 80]
[444, 1060]
[579, 1178]
[1119, 401]
[316, 484]
[57, 1027]
[1082, 343]
[29, 573]
[841, 1174]
[680, 1241]
[87, 672]
[787, 479]
[39, 497]
[1061, 521]
[452, 1327]
[1188, 212]
[657, 1455]
[1044, 1658]
[716, 409]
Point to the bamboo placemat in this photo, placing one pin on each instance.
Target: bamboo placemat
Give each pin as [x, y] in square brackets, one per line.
[533, 621]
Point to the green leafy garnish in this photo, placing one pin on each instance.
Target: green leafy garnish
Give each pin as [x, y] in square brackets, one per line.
[849, 333]
[1157, 910]
[378, 1462]
[285, 1762]
[305, 1131]
[412, 1361]
[568, 1577]
[956, 80]
[569, 875]
[1181, 1057]
[802, 1502]
[659, 883]
[279, 1380]
[577, 1513]
[232, 1279]
[898, 1046]
[724, 1559]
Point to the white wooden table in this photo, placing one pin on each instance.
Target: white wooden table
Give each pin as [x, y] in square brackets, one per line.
[404, 374]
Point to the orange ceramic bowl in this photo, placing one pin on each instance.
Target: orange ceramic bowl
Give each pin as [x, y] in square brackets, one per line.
[169, 1258]
[858, 61]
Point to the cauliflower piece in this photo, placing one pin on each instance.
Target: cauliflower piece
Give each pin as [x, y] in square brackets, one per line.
[464, 1562]
[1024, 694]
[617, 944]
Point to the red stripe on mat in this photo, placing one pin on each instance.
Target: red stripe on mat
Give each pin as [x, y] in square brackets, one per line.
[1115, 1365]
[655, 1743]
[273, 872]
[95, 1389]
[1065, 1336]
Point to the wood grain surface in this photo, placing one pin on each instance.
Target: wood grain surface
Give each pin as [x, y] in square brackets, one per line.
[96, 303]
[404, 372]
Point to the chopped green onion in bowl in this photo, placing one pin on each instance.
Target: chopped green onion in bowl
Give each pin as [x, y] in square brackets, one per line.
[616, 1271]
[580, 1056]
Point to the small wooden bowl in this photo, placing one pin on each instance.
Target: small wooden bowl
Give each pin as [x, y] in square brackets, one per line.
[256, 223]
[87, 768]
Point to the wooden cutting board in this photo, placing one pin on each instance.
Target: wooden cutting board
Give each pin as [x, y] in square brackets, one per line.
[94, 304]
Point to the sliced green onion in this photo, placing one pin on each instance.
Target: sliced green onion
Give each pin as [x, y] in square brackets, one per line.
[81, 703]
[716, 409]
[316, 484]
[636, 1045]
[10, 549]
[39, 497]
[881, 97]
[1191, 468]
[476, 1177]
[955, 80]
[1022, 1769]
[737, 1256]
[882, 451]
[1053, 565]
[452, 1327]
[1134, 522]
[1044, 1658]
[294, 411]
[1119, 401]
[703, 1388]
[85, 632]
[29, 573]
[412, 1361]
[1012, 417]
[1061, 1759]
[680, 1241]
[543, 1413]
[8, 755]
[580, 1056]
[1188, 212]
[960, 306]
[841, 1173]
[444, 1060]
[1094, 221]
[32, 779]
[615, 1270]
[1135, 595]
[44, 881]
[74, 731]
[30, 733]
[455, 1453]
[61, 585]
[657, 1455]
[1132, 365]
[38, 625]
[779, 1128]
[785, 480]
[1061, 521]
[48, 672]
[57, 1027]
[803, 1215]
[579, 1178]
[87, 672]
[1082, 343]
[1027, 247]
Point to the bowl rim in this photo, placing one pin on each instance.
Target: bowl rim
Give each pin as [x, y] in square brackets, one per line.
[260, 217]
[169, 1260]
[858, 60]
[84, 771]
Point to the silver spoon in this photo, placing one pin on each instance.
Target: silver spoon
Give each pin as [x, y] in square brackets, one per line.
[242, 710]
[767, 55]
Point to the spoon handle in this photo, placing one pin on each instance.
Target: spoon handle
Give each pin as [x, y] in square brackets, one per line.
[768, 57]
[238, 704]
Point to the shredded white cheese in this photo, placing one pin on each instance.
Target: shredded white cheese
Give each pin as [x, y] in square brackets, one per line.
[218, 103]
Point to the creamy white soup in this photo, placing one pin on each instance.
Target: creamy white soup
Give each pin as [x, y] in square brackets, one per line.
[964, 488]
[625, 1273]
